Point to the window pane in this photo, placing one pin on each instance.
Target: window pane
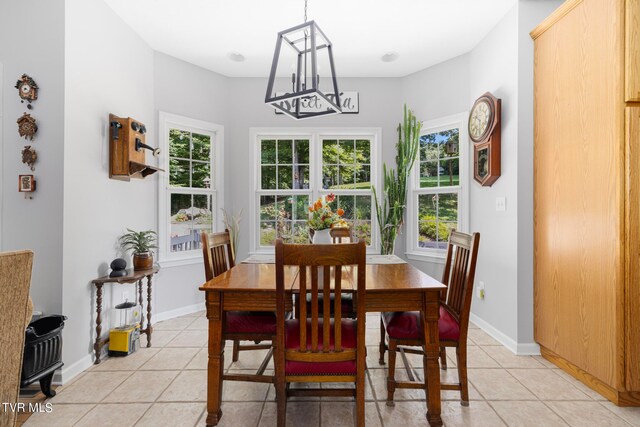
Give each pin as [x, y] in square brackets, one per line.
[347, 151]
[300, 176]
[268, 177]
[347, 204]
[201, 147]
[201, 175]
[301, 151]
[330, 151]
[363, 177]
[346, 178]
[267, 208]
[362, 230]
[285, 151]
[449, 172]
[428, 174]
[363, 207]
[300, 207]
[285, 178]
[428, 147]
[178, 173]
[284, 205]
[448, 142]
[267, 233]
[300, 232]
[363, 151]
[329, 176]
[268, 152]
[437, 216]
[202, 214]
[183, 237]
[179, 141]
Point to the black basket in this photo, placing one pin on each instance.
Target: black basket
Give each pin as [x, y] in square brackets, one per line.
[42, 352]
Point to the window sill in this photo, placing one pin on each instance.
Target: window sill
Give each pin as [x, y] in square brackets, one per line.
[178, 262]
[436, 258]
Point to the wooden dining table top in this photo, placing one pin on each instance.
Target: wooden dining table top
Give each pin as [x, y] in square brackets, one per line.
[380, 278]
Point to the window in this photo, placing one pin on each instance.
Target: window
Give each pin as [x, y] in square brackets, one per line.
[190, 188]
[438, 193]
[292, 170]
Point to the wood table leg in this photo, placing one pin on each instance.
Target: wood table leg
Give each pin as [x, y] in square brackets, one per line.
[149, 327]
[216, 358]
[140, 304]
[429, 318]
[97, 346]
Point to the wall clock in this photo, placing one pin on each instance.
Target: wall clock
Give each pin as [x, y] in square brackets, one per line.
[27, 89]
[484, 131]
[27, 126]
[29, 157]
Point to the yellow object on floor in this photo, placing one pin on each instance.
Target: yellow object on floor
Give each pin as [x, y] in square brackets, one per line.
[124, 341]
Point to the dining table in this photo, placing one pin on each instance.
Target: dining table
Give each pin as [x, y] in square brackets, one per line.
[391, 285]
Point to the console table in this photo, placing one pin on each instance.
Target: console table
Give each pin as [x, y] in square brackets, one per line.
[131, 277]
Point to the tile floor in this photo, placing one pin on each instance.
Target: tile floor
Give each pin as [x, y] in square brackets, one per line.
[165, 386]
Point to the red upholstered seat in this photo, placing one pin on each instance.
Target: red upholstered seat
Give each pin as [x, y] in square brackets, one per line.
[292, 341]
[406, 325]
[252, 322]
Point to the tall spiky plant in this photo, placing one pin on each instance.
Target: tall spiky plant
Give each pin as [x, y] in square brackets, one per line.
[390, 210]
[232, 223]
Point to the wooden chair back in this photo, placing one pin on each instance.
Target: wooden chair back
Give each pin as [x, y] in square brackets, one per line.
[330, 260]
[217, 254]
[459, 273]
[15, 281]
[341, 233]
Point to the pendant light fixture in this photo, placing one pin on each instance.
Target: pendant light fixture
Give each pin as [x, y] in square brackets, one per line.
[310, 52]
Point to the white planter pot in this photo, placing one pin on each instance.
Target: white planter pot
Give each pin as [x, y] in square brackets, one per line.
[322, 237]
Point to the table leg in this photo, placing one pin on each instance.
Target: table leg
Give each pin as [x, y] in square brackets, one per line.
[430, 315]
[216, 358]
[140, 304]
[97, 347]
[149, 327]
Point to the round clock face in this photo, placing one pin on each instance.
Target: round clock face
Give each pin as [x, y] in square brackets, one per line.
[25, 89]
[480, 120]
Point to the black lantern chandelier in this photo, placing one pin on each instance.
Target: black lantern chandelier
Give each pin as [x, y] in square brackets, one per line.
[310, 46]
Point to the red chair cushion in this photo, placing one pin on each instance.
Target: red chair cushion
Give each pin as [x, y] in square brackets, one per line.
[250, 322]
[406, 325]
[292, 341]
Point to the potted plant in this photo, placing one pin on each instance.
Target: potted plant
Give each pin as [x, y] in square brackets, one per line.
[322, 219]
[390, 208]
[140, 243]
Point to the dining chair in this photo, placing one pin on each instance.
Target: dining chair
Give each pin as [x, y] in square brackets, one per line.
[404, 328]
[339, 233]
[323, 349]
[239, 325]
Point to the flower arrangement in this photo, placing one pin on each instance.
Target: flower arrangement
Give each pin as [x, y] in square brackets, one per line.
[321, 217]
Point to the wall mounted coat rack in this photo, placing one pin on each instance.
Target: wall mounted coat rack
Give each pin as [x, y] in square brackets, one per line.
[127, 149]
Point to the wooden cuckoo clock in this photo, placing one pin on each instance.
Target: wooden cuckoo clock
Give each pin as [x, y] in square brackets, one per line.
[27, 126]
[27, 89]
[29, 157]
[484, 131]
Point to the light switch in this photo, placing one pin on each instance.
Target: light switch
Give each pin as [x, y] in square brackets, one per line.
[501, 204]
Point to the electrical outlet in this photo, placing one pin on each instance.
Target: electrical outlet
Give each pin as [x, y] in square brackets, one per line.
[480, 290]
[501, 204]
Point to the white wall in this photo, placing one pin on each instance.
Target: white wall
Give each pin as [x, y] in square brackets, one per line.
[530, 14]
[438, 91]
[109, 69]
[187, 90]
[35, 48]
[380, 106]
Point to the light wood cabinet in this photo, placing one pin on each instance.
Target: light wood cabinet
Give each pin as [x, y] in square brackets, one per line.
[587, 195]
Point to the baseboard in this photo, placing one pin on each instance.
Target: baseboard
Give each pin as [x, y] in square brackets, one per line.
[67, 373]
[521, 349]
[182, 311]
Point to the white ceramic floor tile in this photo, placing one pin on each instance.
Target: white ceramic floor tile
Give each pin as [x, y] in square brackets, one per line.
[527, 414]
[586, 414]
[171, 414]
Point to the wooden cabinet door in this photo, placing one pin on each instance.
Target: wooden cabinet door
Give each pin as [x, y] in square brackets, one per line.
[632, 250]
[632, 51]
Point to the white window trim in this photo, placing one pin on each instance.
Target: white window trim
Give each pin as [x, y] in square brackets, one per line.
[315, 135]
[414, 252]
[165, 122]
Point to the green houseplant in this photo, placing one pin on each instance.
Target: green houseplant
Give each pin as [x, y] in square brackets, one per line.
[391, 205]
[140, 243]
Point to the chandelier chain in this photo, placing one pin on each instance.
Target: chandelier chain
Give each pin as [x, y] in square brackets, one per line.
[305, 10]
